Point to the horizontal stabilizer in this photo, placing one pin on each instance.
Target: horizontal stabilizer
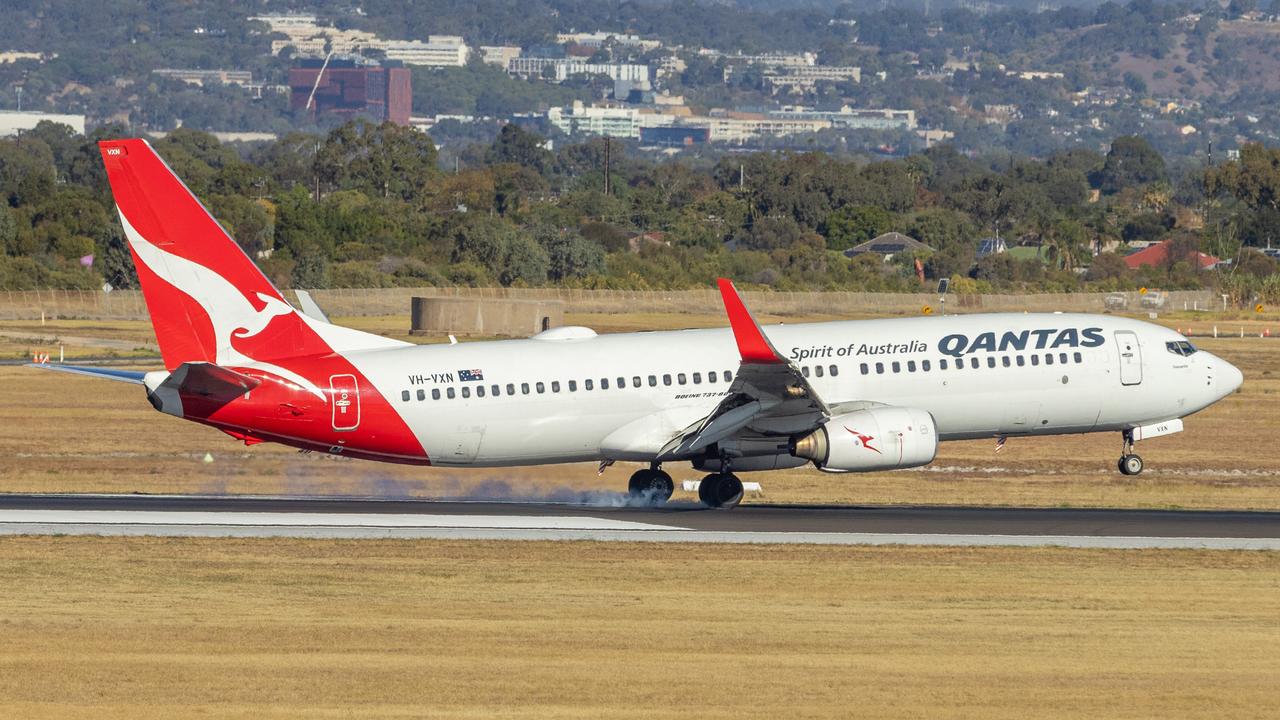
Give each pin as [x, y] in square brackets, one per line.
[129, 376]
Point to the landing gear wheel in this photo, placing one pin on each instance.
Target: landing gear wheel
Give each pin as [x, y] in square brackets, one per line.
[654, 485]
[1130, 464]
[720, 490]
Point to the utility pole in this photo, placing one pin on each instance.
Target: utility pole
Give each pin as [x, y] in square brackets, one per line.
[742, 175]
[606, 164]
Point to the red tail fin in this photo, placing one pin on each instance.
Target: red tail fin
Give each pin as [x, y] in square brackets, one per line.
[202, 291]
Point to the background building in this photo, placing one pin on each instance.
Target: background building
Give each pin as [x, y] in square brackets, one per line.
[346, 89]
[11, 122]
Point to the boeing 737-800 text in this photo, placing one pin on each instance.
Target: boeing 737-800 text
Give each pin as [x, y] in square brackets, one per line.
[846, 396]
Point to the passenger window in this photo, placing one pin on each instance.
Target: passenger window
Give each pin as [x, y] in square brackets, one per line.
[524, 388]
[911, 366]
[540, 387]
[422, 395]
[680, 378]
[1062, 358]
[864, 369]
[835, 370]
[991, 361]
[805, 371]
[711, 376]
[1079, 358]
[697, 378]
[511, 389]
[973, 363]
[635, 381]
[1022, 361]
[817, 370]
[1035, 360]
[449, 393]
[479, 391]
[879, 368]
[653, 381]
[404, 396]
[497, 390]
[588, 384]
[573, 386]
[555, 386]
[622, 383]
[942, 364]
[924, 365]
[666, 379]
[604, 383]
[897, 366]
[1048, 359]
[1005, 361]
[728, 376]
[466, 391]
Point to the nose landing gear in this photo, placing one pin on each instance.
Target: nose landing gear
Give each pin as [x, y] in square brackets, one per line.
[652, 485]
[1129, 463]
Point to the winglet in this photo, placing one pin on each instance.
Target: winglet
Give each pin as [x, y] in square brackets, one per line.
[754, 347]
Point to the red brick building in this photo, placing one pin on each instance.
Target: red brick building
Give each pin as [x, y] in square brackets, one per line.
[346, 89]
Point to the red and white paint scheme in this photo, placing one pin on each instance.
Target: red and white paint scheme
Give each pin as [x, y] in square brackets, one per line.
[845, 396]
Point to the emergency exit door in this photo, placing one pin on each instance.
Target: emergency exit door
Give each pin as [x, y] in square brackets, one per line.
[1130, 357]
[344, 398]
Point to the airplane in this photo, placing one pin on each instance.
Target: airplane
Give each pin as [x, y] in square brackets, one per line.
[849, 396]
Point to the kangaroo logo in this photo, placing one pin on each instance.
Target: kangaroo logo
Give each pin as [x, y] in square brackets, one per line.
[229, 311]
[864, 440]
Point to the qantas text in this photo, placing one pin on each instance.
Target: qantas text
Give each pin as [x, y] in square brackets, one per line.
[1051, 338]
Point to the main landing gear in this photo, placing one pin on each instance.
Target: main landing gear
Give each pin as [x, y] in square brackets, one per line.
[652, 485]
[1130, 463]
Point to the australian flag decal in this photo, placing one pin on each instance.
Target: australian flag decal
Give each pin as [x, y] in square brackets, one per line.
[470, 375]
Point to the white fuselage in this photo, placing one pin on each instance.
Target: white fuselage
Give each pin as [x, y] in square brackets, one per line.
[578, 396]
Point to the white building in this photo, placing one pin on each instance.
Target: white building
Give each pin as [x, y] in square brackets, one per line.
[200, 77]
[847, 117]
[773, 60]
[437, 51]
[600, 37]
[12, 122]
[806, 77]
[562, 68]
[620, 122]
[745, 127]
[308, 38]
[500, 55]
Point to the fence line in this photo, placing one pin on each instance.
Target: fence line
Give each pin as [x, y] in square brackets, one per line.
[129, 304]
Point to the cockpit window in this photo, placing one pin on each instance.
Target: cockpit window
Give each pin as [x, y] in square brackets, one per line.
[1181, 347]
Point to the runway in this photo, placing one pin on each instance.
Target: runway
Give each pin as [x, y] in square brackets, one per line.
[343, 517]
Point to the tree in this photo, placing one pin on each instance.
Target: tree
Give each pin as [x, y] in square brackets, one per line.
[521, 147]
[854, 224]
[384, 160]
[569, 255]
[1130, 163]
[1135, 83]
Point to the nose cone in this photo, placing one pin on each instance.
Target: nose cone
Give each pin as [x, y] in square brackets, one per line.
[1228, 378]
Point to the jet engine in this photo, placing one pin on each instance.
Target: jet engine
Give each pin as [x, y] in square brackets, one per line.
[878, 438]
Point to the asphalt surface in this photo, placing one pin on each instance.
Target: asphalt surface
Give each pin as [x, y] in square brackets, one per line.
[252, 516]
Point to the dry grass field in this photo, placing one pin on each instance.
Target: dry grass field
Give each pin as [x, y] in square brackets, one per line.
[161, 628]
[67, 434]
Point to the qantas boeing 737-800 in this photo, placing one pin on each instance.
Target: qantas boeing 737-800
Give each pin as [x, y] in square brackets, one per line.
[846, 396]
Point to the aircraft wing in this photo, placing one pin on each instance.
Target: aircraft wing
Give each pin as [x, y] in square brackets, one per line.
[768, 399]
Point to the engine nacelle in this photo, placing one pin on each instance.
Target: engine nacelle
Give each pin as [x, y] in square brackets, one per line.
[878, 438]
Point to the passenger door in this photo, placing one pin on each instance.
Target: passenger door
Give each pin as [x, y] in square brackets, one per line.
[1130, 357]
